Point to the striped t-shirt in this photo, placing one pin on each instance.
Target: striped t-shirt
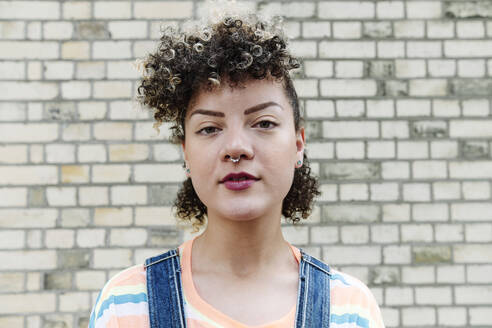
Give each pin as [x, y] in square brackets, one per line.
[122, 303]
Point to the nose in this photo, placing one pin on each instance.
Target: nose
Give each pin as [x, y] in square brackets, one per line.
[237, 145]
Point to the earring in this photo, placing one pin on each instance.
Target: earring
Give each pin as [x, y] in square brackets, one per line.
[299, 163]
[188, 172]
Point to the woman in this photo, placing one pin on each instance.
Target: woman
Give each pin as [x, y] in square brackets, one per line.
[225, 87]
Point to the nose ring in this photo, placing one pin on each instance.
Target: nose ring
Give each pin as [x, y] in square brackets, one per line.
[235, 160]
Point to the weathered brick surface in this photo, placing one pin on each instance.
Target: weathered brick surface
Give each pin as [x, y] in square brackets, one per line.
[396, 97]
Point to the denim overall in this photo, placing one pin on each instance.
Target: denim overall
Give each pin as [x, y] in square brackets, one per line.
[165, 293]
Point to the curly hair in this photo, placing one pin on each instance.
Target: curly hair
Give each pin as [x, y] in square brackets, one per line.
[235, 49]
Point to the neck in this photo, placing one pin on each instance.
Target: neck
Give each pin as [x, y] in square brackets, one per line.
[242, 248]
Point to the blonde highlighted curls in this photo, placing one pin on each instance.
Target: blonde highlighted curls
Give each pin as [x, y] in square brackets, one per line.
[227, 48]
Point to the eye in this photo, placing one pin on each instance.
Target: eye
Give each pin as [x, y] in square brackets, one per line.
[207, 130]
[266, 124]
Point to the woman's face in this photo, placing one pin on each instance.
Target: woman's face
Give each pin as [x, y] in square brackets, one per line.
[254, 124]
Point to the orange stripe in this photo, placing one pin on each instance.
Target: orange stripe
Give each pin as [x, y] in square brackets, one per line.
[129, 321]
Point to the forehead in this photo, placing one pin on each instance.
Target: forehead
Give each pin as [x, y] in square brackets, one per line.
[248, 94]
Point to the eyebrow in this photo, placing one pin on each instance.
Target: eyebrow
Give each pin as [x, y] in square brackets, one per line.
[250, 110]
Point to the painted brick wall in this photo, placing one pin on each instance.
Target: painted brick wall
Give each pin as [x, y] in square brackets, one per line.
[399, 124]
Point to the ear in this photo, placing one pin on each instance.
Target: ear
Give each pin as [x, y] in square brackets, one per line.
[183, 148]
[300, 143]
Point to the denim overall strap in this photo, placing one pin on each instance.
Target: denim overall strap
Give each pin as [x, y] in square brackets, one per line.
[164, 291]
[313, 307]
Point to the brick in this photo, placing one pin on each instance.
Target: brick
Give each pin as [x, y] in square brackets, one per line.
[11, 282]
[380, 149]
[478, 232]
[470, 29]
[126, 195]
[391, 49]
[122, 70]
[93, 196]
[380, 108]
[451, 274]
[60, 153]
[145, 131]
[410, 68]
[424, 49]
[57, 280]
[112, 258]
[28, 50]
[433, 295]
[34, 239]
[113, 216]
[419, 316]
[473, 294]
[349, 69]
[412, 149]
[396, 255]
[28, 303]
[429, 169]
[479, 273]
[10, 197]
[383, 234]
[413, 107]
[346, 10]
[110, 173]
[89, 280]
[416, 233]
[377, 29]
[350, 150]
[424, 87]
[446, 190]
[389, 9]
[112, 9]
[295, 9]
[75, 90]
[444, 149]
[112, 89]
[61, 196]
[395, 129]
[154, 216]
[472, 253]
[471, 68]
[316, 29]
[475, 169]
[384, 191]
[166, 152]
[476, 190]
[467, 48]
[440, 29]
[77, 10]
[306, 88]
[350, 213]
[395, 170]
[34, 70]
[441, 68]
[112, 131]
[34, 31]
[324, 235]
[320, 108]
[90, 70]
[35, 111]
[347, 30]
[319, 68]
[75, 50]
[91, 237]
[75, 217]
[58, 70]
[383, 276]
[340, 255]
[431, 254]
[416, 192]
[409, 29]
[73, 259]
[29, 9]
[449, 232]
[11, 239]
[398, 296]
[418, 275]
[28, 90]
[356, 234]
[76, 132]
[11, 70]
[476, 107]
[28, 175]
[350, 171]
[57, 30]
[350, 129]
[304, 49]
[128, 237]
[11, 30]
[158, 173]
[328, 193]
[31, 218]
[91, 153]
[471, 87]
[128, 152]
[423, 9]
[27, 260]
[480, 316]
[60, 111]
[430, 212]
[75, 174]
[347, 49]
[60, 238]
[74, 302]
[429, 129]
[473, 9]
[164, 10]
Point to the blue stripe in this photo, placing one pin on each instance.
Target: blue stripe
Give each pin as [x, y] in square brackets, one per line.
[122, 299]
[350, 318]
[339, 277]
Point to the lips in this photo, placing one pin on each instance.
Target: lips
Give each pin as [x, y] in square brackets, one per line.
[241, 176]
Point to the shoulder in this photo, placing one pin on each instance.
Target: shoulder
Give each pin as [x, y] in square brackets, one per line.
[125, 294]
[353, 302]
